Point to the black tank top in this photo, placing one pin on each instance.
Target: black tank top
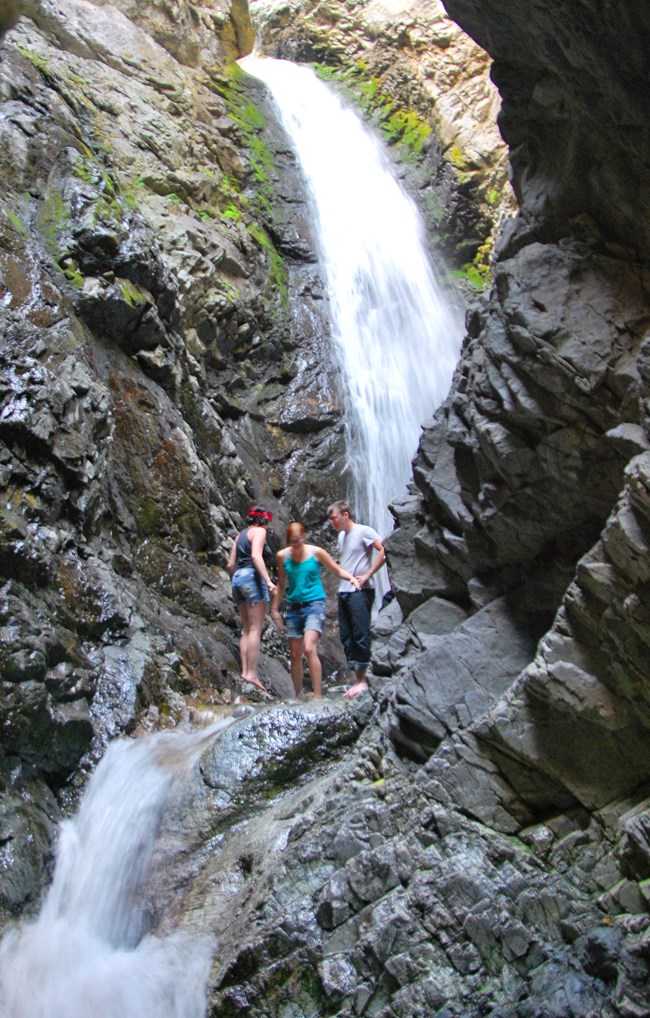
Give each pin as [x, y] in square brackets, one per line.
[244, 551]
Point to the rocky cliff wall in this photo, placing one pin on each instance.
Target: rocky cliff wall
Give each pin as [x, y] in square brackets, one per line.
[484, 849]
[531, 476]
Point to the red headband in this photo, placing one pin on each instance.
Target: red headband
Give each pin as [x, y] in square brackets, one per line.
[261, 515]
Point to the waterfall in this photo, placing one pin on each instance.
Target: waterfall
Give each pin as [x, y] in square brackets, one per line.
[91, 952]
[397, 336]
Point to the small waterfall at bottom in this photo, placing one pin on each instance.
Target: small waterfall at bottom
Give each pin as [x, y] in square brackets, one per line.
[91, 952]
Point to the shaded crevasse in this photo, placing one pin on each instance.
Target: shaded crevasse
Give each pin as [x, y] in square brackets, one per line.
[397, 336]
[92, 950]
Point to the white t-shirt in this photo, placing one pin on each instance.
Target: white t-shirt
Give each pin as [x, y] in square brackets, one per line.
[355, 553]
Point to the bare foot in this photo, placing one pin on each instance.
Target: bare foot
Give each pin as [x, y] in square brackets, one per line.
[254, 681]
[358, 687]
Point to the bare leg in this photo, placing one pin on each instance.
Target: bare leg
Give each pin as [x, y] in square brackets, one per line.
[252, 619]
[313, 660]
[243, 639]
[359, 686]
[296, 648]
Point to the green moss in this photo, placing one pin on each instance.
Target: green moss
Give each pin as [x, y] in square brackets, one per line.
[407, 127]
[16, 223]
[92, 172]
[455, 156]
[371, 90]
[231, 292]
[130, 194]
[149, 517]
[54, 221]
[231, 212]
[131, 294]
[77, 79]
[402, 128]
[230, 82]
[476, 275]
[229, 186]
[278, 270]
[37, 61]
[74, 276]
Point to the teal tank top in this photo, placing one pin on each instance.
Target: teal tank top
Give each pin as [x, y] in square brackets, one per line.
[303, 580]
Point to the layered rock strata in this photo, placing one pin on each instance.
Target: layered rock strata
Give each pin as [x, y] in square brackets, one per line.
[529, 498]
[473, 837]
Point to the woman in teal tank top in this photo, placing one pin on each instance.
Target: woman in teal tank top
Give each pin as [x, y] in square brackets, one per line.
[299, 572]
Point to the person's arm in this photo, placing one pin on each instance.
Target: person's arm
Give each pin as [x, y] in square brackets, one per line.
[279, 591]
[258, 540]
[232, 559]
[325, 559]
[380, 558]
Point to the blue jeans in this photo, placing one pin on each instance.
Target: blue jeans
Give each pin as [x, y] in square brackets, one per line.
[248, 587]
[355, 616]
[300, 617]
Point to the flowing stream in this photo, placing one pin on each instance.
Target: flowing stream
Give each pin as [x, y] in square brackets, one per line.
[91, 952]
[397, 335]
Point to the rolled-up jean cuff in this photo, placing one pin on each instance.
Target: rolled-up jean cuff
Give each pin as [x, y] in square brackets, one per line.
[358, 666]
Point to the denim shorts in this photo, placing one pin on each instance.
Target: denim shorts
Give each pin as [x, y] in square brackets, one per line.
[248, 587]
[305, 616]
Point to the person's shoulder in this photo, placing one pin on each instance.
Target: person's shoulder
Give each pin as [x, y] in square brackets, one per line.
[369, 531]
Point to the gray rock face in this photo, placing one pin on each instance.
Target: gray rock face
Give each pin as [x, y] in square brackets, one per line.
[472, 838]
[357, 891]
[540, 448]
[458, 676]
[559, 87]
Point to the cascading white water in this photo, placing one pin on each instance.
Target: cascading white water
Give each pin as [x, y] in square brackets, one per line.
[397, 335]
[89, 953]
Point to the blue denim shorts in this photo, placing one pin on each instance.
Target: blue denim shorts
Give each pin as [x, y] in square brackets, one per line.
[305, 616]
[248, 587]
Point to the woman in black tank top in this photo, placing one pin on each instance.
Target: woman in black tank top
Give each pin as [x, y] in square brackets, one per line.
[251, 586]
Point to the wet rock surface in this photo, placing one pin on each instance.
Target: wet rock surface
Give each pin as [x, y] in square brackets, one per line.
[472, 837]
[354, 889]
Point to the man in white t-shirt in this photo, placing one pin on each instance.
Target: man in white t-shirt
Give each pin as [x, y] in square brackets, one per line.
[357, 545]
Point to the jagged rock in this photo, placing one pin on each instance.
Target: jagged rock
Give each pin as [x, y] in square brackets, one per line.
[459, 676]
[28, 822]
[483, 849]
[635, 843]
